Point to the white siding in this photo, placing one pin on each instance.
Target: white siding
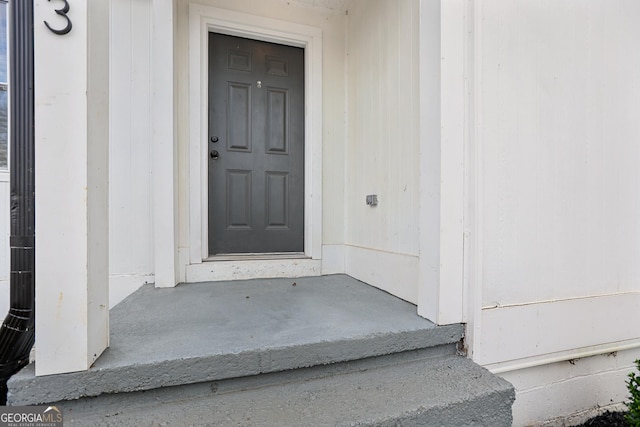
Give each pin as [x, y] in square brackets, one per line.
[383, 147]
[560, 105]
[558, 101]
[382, 154]
[334, 131]
[130, 228]
[560, 97]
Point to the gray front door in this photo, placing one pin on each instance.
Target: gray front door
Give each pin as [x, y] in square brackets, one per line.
[256, 146]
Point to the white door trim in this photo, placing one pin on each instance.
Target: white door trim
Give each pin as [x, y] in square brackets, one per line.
[204, 19]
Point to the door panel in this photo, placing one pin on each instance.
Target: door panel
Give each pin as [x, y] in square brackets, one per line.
[276, 135]
[238, 192]
[277, 191]
[256, 146]
[239, 117]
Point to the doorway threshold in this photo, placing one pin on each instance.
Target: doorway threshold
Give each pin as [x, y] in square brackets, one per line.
[256, 256]
[252, 266]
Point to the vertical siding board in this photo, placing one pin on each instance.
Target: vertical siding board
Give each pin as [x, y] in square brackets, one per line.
[120, 179]
[382, 111]
[130, 191]
[141, 137]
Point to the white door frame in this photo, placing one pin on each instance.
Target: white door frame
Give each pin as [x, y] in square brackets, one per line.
[205, 19]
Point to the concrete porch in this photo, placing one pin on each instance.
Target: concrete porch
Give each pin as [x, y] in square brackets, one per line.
[307, 329]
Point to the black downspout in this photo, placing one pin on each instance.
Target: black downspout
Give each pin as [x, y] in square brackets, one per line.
[18, 330]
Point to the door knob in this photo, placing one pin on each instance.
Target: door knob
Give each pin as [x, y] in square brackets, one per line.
[215, 154]
[214, 139]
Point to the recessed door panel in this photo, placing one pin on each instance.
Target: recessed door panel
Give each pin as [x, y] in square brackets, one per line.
[277, 198]
[277, 66]
[238, 199]
[239, 60]
[277, 115]
[239, 117]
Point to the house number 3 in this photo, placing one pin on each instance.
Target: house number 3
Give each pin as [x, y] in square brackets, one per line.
[62, 12]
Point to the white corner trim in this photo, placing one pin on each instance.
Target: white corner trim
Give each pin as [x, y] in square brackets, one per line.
[164, 153]
[474, 196]
[443, 136]
[202, 20]
[453, 100]
[429, 160]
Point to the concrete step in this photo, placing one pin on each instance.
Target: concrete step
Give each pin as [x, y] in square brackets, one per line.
[406, 389]
[206, 332]
[308, 351]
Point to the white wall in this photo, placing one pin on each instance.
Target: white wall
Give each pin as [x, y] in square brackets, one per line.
[383, 146]
[130, 228]
[560, 107]
[557, 159]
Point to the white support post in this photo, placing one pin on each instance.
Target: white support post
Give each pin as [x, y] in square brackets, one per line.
[71, 176]
[429, 157]
[452, 143]
[164, 153]
[442, 139]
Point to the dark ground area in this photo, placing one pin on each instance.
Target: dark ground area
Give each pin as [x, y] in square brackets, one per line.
[608, 419]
